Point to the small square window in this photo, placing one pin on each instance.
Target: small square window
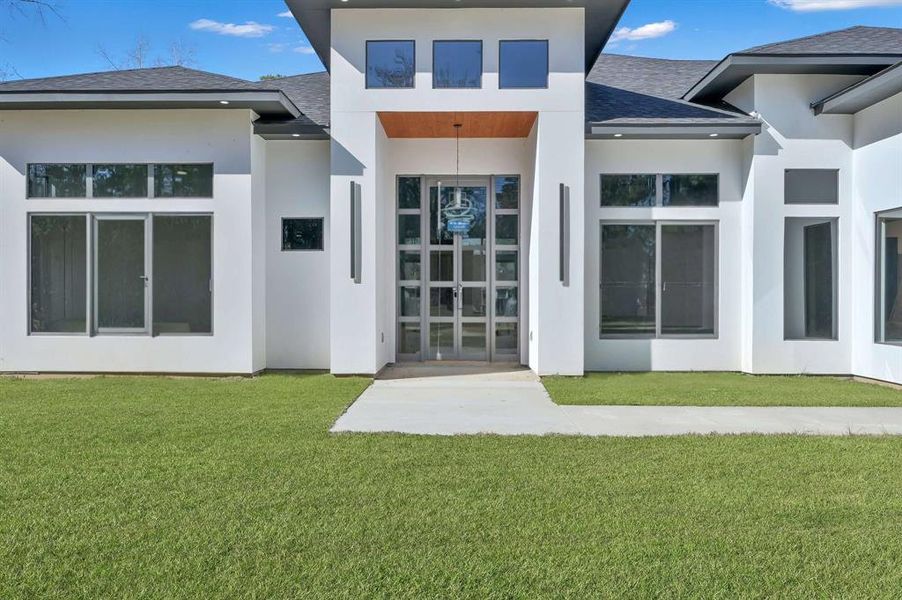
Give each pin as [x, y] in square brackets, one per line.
[302, 234]
[457, 64]
[523, 64]
[390, 64]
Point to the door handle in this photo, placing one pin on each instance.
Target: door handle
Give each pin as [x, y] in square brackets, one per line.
[145, 278]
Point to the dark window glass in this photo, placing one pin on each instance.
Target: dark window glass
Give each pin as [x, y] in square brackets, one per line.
[819, 281]
[409, 266]
[302, 234]
[457, 64]
[57, 181]
[183, 181]
[408, 192]
[688, 259]
[690, 190]
[121, 276]
[120, 181]
[59, 259]
[507, 230]
[182, 274]
[811, 186]
[390, 64]
[409, 230]
[507, 192]
[523, 64]
[409, 342]
[890, 280]
[628, 190]
[628, 279]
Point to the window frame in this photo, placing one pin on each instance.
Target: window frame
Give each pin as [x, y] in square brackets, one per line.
[658, 335]
[659, 191]
[151, 192]
[91, 219]
[547, 64]
[366, 65]
[481, 64]
[322, 222]
[879, 276]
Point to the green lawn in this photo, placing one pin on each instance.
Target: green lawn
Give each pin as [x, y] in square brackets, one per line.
[159, 488]
[717, 389]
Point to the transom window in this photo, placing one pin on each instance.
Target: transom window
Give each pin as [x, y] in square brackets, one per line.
[457, 64]
[658, 279]
[811, 186]
[523, 64]
[660, 190]
[120, 180]
[102, 274]
[390, 64]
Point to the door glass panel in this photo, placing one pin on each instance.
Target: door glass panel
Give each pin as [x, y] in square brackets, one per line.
[441, 302]
[506, 338]
[819, 281]
[473, 301]
[472, 337]
[441, 265]
[409, 342]
[687, 279]
[408, 192]
[409, 268]
[410, 302]
[506, 265]
[506, 230]
[441, 340]
[506, 303]
[409, 230]
[120, 274]
[182, 274]
[507, 192]
[473, 264]
[438, 230]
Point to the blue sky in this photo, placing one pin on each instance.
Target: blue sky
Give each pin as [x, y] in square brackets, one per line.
[249, 38]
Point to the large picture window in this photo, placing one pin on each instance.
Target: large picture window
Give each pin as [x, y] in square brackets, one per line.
[105, 262]
[809, 279]
[390, 64]
[658, 279]
[889, 277]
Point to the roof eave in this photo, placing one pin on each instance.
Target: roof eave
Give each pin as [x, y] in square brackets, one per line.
[863, 94]
[269, 103]
[695, 131]
[735, 68]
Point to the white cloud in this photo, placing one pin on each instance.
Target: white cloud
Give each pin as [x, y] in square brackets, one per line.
[250, 29]
[285, 15]
[816, 5]
[303, 49]
[645, 32]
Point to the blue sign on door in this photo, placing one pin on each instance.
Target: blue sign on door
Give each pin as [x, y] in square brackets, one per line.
[458, 225]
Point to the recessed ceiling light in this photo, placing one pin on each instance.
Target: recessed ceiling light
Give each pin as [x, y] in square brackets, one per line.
[223, 101]
[713, 135]
[618, 135]
[295, 135]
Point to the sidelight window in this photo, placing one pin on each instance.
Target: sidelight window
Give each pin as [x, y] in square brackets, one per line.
[809, 279]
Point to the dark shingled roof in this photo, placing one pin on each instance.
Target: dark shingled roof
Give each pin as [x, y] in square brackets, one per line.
[309, 92]
[634, 90]
[156, 79]
[854, 40]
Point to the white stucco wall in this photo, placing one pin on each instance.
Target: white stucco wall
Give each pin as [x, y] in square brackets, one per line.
[221, 137]
[297, 283]
[723, 157]
[877, 187]
[363, 336]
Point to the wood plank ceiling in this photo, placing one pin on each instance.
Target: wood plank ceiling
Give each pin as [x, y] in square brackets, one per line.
[474, 124]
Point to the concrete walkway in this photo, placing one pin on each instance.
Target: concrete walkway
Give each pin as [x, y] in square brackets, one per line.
[465, 399]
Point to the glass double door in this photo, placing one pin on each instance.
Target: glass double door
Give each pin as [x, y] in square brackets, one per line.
[457, 278]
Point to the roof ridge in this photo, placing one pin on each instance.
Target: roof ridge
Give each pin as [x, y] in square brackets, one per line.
[123, 71]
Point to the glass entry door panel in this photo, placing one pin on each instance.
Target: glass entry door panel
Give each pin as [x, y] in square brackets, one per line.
[121, 274]
[457, 322]
[458, 289]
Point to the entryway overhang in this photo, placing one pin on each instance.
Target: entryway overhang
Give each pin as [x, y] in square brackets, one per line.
[476, 124]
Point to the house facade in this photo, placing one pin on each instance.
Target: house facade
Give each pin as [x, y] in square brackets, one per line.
[468, 181]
